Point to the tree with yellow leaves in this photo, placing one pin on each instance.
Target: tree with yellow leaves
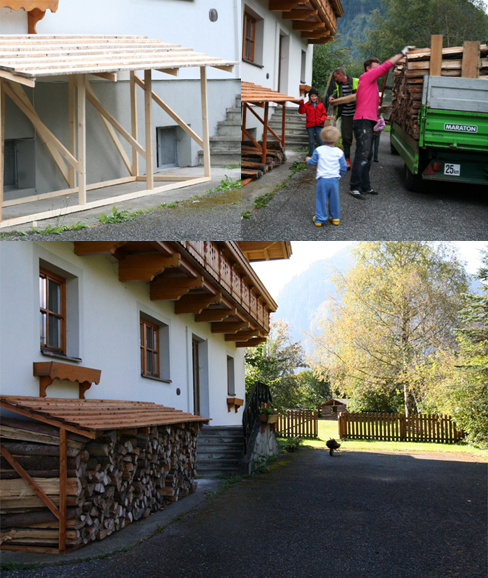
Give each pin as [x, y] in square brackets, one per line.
[396, 310]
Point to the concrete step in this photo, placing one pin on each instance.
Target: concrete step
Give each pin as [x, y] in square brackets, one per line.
[219, 451]
[234, 114]
[229, 127]
[222, 159]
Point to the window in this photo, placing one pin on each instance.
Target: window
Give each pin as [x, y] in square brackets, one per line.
[52, 293]
[249, 37]
[231, 388]
[149, 348]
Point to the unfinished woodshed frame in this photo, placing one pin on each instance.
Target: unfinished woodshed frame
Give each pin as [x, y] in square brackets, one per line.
[23, 59]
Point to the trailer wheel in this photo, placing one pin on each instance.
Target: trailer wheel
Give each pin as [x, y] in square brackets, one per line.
[414, 183]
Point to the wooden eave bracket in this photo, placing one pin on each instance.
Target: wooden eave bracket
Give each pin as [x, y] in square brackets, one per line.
[145, 267]
[234, 402]
[48, 371]
[36, 10]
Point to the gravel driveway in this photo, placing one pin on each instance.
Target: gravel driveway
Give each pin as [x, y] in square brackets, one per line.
[360, 515]
[446, 213]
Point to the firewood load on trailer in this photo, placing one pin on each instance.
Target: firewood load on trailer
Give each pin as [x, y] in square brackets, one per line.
[111, 480]
[468, 61]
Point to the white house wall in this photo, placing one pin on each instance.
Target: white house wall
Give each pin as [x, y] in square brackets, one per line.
[103, 317]
[266, 74]
[174, 21]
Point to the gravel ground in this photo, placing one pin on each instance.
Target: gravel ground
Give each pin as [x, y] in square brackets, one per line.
[446, 213]
[358, 515]
[215, 216]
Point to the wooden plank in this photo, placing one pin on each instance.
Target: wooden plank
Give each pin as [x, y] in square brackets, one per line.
[100, 203]
[149, 130]
[205, 127]
[471, 59]
[7, 486]
[134, 122]
[72, 129]
[81, 128]
[63, 477]
[2, 143]
[265, 132]
[17, 79]
[435, 54]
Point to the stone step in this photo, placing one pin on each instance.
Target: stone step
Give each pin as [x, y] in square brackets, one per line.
[229, 127]
[219, 450]
[222, 159]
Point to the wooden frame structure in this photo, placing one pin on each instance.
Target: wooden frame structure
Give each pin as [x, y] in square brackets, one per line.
[254, 95]
[86, 418]
[23, 59]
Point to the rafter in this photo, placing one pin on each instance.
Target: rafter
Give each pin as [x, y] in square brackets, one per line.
[230, 326]
[243, 335]
[173, 287]
[196, 303]
[306, 25]
[215, 314]
[299, 14]
[136, 267]
[251, 342]
[83, 248]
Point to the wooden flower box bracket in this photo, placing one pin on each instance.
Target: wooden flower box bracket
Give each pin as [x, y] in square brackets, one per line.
[50, 370]
[268, 419]
[234, 402]
[36, 10]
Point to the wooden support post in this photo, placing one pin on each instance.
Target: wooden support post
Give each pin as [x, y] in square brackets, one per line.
[149, 130]
[134, 124]
[2, 142]
[283, 125]
[205, 129]
[436, 55]
[265, 132]
[243, 126]
[72, 128]
[63, 476]
[81, 139]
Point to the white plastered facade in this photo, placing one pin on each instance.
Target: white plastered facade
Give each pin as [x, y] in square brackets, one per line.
[103, 317]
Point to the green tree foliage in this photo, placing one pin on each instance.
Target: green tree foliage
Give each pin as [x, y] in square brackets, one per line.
[314, 390]
[396, 312]
[401, 23]
[464, 392]
[274, 363]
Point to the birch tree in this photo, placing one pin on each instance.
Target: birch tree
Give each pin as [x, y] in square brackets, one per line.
[395, 311]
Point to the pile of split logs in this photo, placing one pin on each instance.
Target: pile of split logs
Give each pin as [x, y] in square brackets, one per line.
[252, 165]
[409, 77]
[120, 477]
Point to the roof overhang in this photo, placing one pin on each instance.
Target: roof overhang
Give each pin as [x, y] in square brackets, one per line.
[29, 57]
[266, 250]
[254, 93]
[316, 20]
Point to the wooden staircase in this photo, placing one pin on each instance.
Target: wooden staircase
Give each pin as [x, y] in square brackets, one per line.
[219, 451]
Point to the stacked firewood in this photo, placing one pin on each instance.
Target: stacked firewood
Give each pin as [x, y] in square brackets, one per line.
[409, 78]
[120, 477]
[252, 165]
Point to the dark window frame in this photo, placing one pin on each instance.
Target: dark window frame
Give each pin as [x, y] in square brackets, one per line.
[249, 42]
[61, 315]
[145, 349]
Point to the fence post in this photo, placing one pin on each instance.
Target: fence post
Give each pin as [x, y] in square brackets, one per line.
[402, 426]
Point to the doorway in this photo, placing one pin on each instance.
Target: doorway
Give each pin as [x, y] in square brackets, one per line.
[196, 376]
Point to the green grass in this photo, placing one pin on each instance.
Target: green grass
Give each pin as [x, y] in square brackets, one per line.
[330, 429]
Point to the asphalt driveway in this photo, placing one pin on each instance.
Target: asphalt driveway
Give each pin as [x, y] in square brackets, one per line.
[358, 515]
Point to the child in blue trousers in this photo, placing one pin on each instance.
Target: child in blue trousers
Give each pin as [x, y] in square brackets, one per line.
[331, 166]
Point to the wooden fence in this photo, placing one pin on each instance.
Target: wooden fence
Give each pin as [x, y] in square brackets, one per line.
[397, 427]
[297, 422]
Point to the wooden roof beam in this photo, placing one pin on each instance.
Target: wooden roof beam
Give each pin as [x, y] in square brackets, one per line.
[306, 25]
[145, 267]
[215, 314]
[299, 14]
[251, 342]
[316, 35]
[196, 303]
[285, 5]
[323, 40]
[84, 248]
[230, 326]
[173, 287]
[244, 335]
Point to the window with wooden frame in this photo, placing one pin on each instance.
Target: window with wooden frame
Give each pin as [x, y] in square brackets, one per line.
[249, 37]
[149, 348]
[52, 294]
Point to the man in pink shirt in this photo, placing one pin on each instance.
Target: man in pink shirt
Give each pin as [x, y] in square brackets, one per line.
[365, 117]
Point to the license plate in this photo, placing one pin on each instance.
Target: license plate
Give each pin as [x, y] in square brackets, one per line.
[453, 170]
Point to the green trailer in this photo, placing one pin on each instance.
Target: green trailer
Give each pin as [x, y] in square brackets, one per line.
[453, 135]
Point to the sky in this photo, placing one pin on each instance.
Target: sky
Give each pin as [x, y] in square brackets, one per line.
[276, 274]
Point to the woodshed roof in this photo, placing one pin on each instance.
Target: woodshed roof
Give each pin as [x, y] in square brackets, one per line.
[337, 400]
[42, 55]
[92, 415]
[254, 93]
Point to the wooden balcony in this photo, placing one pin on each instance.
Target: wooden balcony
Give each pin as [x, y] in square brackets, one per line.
[211, 279]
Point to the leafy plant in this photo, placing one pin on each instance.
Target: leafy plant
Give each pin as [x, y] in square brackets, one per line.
[298, 166]
[58, 229]
[116, 216]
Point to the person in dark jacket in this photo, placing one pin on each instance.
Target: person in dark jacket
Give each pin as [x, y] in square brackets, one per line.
[315, 118]
[344, 86]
